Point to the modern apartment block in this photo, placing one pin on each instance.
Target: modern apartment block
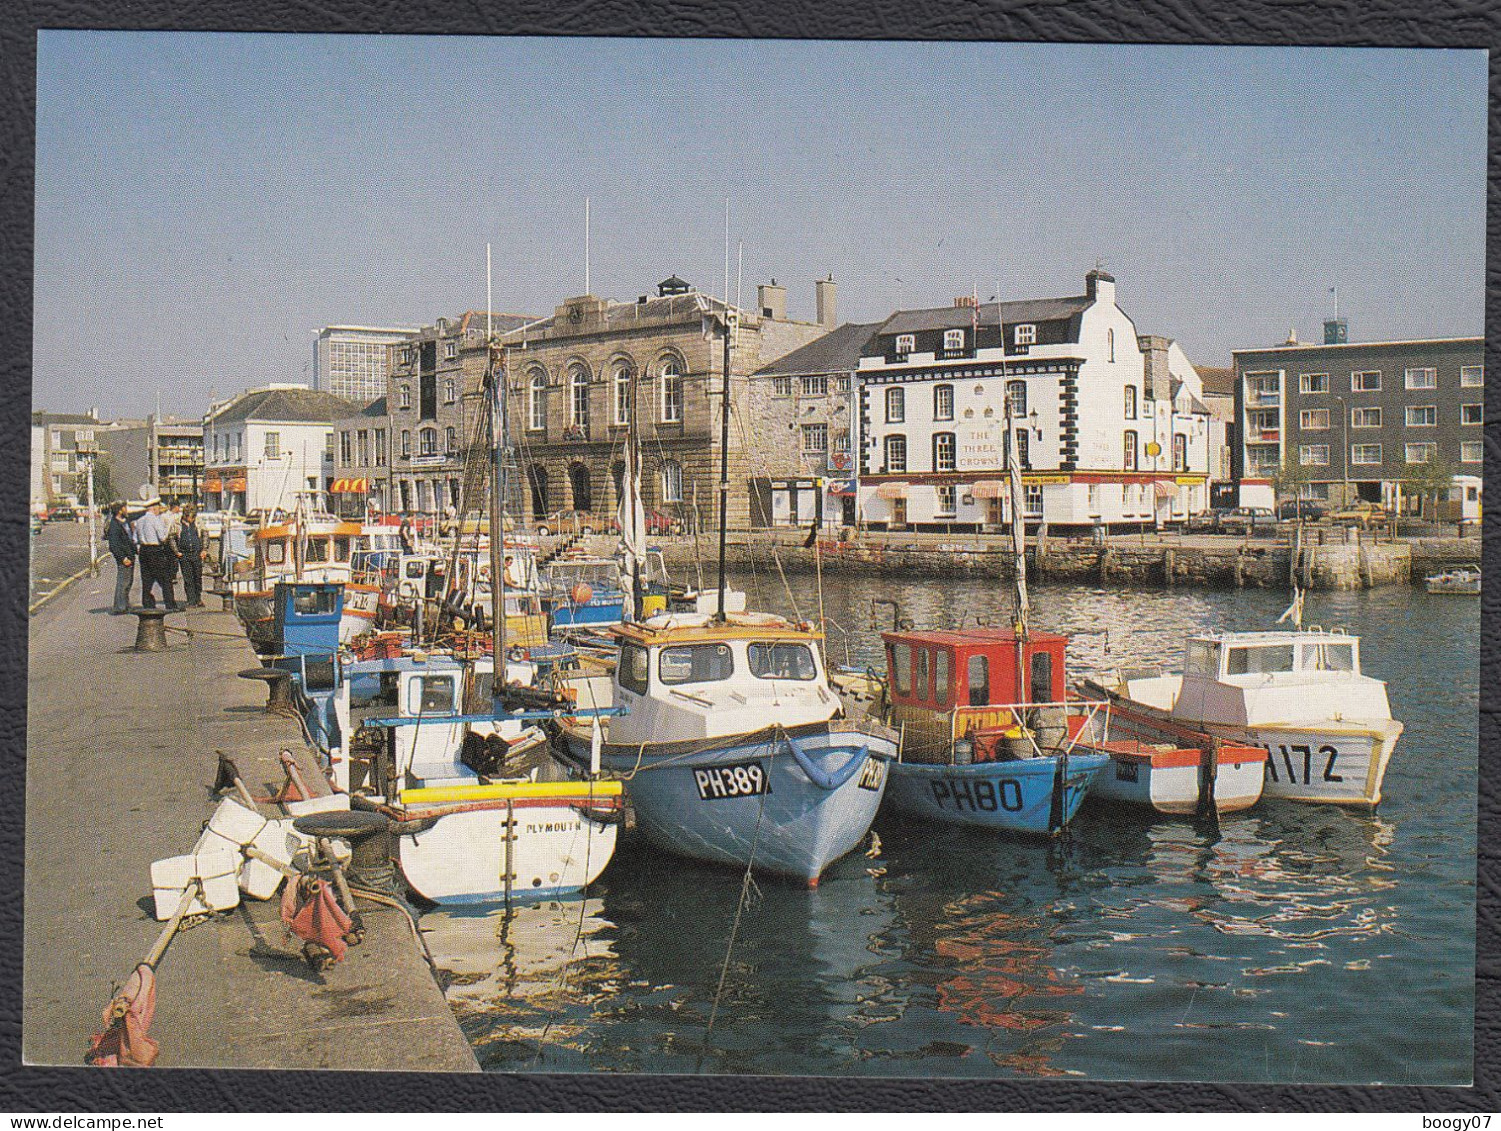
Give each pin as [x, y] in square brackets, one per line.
[166, 454]
[60, 443]
[1354, 418]
[353, 362]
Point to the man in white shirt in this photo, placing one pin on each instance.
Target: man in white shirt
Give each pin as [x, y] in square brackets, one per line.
[152, 531]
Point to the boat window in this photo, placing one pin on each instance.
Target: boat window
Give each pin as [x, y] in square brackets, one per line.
[695, 663]
[1042, 677]
[432, 695]
[276, 553]
[782, 661]
[312, 602]
[899, 664]
[943, 676]
[1203, 659]
[1329, 657]
[919, 673]
[416, 568]
[1263, 660]
[341, 548]
[978, 675]
[633, 668]
[317, 550]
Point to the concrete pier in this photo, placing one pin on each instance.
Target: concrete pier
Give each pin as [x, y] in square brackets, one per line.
[120, 762]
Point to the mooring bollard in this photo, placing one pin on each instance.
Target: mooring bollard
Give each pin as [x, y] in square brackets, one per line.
[278, 689]
[369, 834]
[151, 630]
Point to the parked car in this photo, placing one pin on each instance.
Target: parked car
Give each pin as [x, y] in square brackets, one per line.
[572, 522]
[1360, 514]
[1206, 522]
[63, 513]
[1306, 509]
[659, 523]
[1249, 520]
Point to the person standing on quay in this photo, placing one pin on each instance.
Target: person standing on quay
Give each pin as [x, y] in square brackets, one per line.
[191, 552]
[152, 532]
[123, 548]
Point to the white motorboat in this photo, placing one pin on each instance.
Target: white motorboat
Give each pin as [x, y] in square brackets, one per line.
[1464, 580]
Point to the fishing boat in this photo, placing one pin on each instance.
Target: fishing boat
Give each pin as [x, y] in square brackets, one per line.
[1300, 695]
[733, 746]
[1463, 580]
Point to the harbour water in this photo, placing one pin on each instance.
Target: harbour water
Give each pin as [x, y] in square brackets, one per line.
[1289, 943]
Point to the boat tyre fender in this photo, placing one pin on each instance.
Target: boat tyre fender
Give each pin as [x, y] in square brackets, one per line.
[826, 781]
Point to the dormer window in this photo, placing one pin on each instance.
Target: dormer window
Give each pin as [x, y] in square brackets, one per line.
[1026, 334]
[906, 343]
[953, 339]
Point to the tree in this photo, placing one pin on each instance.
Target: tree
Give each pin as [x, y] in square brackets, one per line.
[1288, 476]
[1431, 479]
[104, 486]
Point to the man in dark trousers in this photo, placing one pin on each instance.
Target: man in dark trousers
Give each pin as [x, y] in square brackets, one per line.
[123, 548]
[191, 551]
[152, 533]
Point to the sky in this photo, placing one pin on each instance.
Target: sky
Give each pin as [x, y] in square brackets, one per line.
[206, 202]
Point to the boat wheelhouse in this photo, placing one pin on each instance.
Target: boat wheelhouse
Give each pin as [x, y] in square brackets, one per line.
[1299, 695]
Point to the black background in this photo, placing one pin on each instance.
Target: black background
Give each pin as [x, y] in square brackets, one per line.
[1350, 23]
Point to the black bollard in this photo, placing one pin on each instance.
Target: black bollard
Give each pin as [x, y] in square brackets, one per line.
[371, 862]
[151, 630]
[278, 689]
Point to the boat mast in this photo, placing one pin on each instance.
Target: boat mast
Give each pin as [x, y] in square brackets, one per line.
[632, 522]
[498, 433]
[1014, 476]
[724, 455]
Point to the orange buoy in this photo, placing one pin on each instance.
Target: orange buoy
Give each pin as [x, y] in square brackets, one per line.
[581, 594]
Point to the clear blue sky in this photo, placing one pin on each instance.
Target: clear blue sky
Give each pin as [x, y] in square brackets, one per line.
[204, 202]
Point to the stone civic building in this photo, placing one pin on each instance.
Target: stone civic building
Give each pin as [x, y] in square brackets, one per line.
[573, 380]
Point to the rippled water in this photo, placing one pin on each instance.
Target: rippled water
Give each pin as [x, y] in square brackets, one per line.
[1292, 943]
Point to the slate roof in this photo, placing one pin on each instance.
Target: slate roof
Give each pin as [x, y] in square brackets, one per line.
[838, 351]
[954, 317]
[499, 323]
[289, 405]
[1216, 379]
[41, 419]
[623, 314]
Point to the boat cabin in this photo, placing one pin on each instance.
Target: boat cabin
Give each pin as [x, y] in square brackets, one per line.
[945, 685]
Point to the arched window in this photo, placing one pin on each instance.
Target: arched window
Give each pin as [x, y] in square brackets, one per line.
[1110, 341]
[427, 442]
[404, 396]
[1016, 399]
[406, 443]
[896, 406]
[1129, 454]
[943, 402]
[1180, 452]
[536, 401]
[450, 391]
[578, 478]
[672, 482]
[672, 392]
[622, 397]
[536, 476]
[450, 440]
[578, 382]
[1130, 402]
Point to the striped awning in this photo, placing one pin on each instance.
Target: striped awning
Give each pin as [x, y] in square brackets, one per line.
[990, 489]
[212, 484]
[891, 491]
[1165, 489]
[350, 486]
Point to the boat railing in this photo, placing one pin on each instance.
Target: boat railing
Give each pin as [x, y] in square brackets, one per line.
[1090, 707]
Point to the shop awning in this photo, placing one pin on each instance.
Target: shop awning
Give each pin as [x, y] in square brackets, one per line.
[211, 484]
[350, 486]
[237, 483]
[1165, 489]
[990, 489]
[891, 491]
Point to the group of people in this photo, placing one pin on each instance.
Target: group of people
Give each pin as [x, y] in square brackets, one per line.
[164, 542]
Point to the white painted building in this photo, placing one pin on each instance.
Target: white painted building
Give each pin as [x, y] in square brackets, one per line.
[266, 445]
[1109, 424]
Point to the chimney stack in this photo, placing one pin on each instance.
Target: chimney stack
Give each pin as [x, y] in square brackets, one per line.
[828, 293]
[1099, 285]
[1336, 331]
[772, 301]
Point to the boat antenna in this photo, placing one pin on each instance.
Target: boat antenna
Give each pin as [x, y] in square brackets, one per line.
[730, 318]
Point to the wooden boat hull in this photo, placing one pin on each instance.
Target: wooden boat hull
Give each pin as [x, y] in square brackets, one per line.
[747, 800]
[1161, 766]
[1323, 763]
[1008, 796]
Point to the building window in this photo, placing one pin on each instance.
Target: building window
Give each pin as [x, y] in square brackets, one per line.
[672, 482]
[1130, 402]
[1026, 334]
[427, 442]
[896, 453]
[1426, 378]
[404, 396]
[450, 440]
[1365, 418]
[346, 448]
[1365, 454]
[944, 451]
[328, 446]
[953, 339]
[842, 383]
[842, 442]
[905, 343]
[1471, 414]
[578, 379]
[536, 401]
[622, 397]
[1024, 448]
[1314, 419]
[1311, 383]
[815, 439]
[817, 386]
[404, 355]
[781, 386]
[1367, 382]
[943, 402]
[1180, 452]
[946, 500]
[896, 406]
[1314, 455]
[406, 443]
[1472, 451]
[1110, 341]
[1420, 453]
[1471, 376]
[1032, 499]
[1129, 453]
[1422, 416]
[273, 445]
[1094, 500]
[1016, 399]
[672, 392]
[362, 448]
[450, 390]
[450, 350]
[380, 447]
